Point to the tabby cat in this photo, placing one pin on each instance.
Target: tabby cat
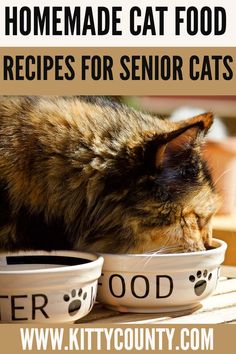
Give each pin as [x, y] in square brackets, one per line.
[92, 174]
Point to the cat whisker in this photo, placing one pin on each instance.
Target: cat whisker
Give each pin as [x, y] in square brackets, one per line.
[220, 177]
[162, 250]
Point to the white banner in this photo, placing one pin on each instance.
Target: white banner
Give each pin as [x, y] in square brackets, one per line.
[118, 23]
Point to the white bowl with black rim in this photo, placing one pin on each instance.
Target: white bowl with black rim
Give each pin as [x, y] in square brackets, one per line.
[56, 287]
[155, 283]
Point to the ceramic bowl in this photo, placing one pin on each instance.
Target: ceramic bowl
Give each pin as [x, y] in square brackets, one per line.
[159, 283]
[48, 287]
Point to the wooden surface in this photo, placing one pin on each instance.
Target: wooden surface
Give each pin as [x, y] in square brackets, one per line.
[218, 308]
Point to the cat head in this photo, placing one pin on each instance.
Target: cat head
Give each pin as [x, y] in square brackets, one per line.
[156, 193]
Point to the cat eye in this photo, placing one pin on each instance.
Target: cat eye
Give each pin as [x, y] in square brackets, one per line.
[202, 222]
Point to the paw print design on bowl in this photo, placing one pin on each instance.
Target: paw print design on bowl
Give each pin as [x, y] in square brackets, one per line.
[75, 301]
[201, 279]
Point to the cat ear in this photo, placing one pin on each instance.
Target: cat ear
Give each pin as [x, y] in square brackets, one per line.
[188, 134]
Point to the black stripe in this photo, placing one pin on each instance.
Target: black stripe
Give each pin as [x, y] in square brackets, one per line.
[56, 260]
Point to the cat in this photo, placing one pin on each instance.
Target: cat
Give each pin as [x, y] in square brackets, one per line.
[92, 174]
[218, 132]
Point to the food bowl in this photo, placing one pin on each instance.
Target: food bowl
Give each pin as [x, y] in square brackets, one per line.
[56, 287]
[146, 283]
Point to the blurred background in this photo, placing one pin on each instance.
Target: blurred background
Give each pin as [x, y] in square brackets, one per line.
[222, 106]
